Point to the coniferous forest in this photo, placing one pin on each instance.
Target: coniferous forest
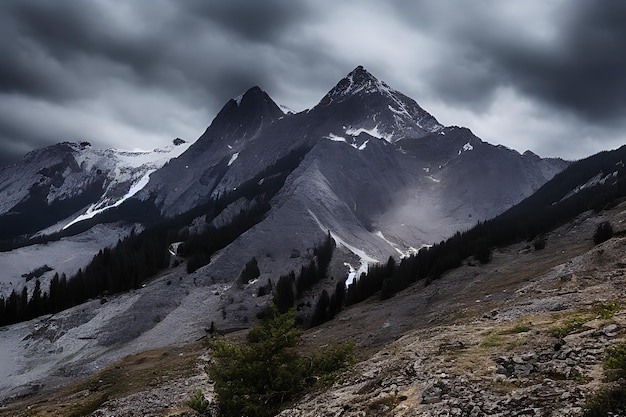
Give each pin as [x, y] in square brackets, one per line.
[140, 256]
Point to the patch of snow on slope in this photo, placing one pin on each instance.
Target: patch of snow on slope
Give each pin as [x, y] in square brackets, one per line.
[466, 148]
[354, 274]
[285, 109]
[402, 112]
[98, 208]
[233, 158]
[372, 132]
[600, 178]
[403, 254]
[365, 258]
[66, 255]
[335, 138]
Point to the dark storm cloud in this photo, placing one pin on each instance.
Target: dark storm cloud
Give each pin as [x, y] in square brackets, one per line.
[264, 21]
[572, 61]
[585, 69]
[136, 74]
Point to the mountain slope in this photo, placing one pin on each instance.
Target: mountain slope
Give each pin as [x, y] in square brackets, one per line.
[378, 172]
[61, 185]
[366, 165]
[482, 338]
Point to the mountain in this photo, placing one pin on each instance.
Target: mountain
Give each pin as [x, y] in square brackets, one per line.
[366, 164]
[366, 104]
[253, 199]
[528, 332]
[374, 169]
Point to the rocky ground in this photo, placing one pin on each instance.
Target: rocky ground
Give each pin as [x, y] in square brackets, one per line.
[523, 335]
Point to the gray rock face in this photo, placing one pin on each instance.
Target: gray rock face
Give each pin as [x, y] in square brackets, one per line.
[377, 171]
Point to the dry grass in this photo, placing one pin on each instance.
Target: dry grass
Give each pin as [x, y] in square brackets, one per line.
[132, 374]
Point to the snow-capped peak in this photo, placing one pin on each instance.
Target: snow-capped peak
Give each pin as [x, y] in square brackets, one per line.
[357, 81]
[379, 108]
[286, 109]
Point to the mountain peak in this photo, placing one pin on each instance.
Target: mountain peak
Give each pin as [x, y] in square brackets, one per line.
[358, 81]
[252, 94]
[242, 116]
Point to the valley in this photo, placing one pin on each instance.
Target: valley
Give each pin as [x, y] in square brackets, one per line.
[480, 338]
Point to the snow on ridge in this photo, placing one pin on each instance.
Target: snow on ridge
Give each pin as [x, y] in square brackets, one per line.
[233, 158]
[401, 112]
[238, 99]
[285, 109]
[466, 148]
[372, 132]
[336, 138]
[97, 208]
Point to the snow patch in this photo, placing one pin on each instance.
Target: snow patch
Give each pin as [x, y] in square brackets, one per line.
[399, 112]
[285, 109]
[403, 253]
[354, 274]
[600, 178]
[336, 138]
[97, 208]
[372, 132]
[365, 258]
[233, 158]
[466, 148]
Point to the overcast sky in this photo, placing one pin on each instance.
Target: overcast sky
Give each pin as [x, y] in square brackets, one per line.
[544, 75]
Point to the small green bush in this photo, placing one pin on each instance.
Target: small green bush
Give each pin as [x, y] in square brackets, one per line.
[198, 402]
[518, 328]
[327, 365]
[615, 362]
[260, 377]
[573, 325]
[606, 310]
[610, 401]
[492, 341]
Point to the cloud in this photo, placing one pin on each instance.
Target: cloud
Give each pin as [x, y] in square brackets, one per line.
[144, 72]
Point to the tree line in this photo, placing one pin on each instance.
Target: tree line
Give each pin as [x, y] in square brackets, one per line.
[140, 256]
[550, 207]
